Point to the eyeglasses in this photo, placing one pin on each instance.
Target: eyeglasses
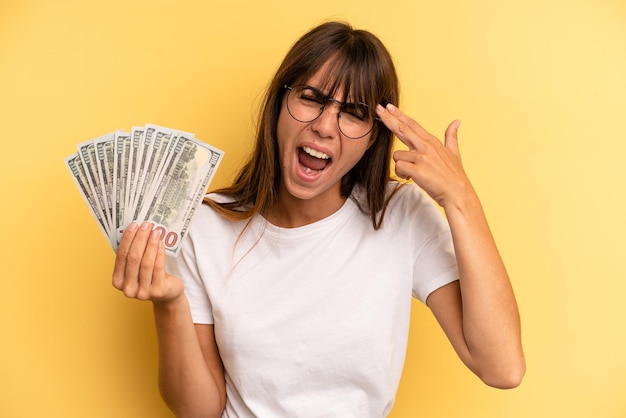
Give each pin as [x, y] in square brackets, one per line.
[306, 103]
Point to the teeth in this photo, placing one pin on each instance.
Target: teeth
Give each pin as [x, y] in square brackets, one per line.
[317, 154]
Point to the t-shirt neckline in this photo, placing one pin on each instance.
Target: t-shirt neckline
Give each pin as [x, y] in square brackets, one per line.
[338, 217]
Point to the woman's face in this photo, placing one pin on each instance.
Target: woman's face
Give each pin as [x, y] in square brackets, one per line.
[314, 156]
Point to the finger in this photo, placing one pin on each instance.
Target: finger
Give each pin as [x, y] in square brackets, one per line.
[158, 274]
[147, 266]
[406, 129]
[407, 156]
[405, 163]
[133, 259]
[119, 269]
[451, 138]
[402, 169]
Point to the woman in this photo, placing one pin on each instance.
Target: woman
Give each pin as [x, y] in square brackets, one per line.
[292, 294]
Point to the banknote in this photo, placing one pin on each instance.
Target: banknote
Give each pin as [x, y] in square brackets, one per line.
[131, 177]
[181, 185]
[75, 165]
[151, 173]
[120, 170]
[103, 147]
[87, 155]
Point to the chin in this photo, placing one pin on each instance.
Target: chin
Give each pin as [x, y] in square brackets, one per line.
[301, 192]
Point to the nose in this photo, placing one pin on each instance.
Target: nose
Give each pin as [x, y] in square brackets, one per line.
[327, 124]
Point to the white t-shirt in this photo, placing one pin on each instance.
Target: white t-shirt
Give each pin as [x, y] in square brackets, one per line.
[313, 321]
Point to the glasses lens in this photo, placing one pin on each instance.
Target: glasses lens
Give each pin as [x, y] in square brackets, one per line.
[305, 104]
[355, 120]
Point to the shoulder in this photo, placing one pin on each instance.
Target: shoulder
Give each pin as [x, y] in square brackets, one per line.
[404, 203]
[209, 223]
[396, 194]
[219, 198]
[409, 205]
[407, 198]
[407, 193]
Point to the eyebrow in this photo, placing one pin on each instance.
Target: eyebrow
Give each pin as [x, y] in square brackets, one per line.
[326, 96]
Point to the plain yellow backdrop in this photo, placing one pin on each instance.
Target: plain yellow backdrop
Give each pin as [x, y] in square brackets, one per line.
[540, 87]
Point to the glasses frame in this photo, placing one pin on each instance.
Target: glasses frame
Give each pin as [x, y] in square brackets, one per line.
[327, 99]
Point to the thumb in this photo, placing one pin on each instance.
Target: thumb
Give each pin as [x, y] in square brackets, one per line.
[451, 138]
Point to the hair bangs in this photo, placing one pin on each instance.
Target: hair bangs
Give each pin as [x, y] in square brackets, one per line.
[346, 73]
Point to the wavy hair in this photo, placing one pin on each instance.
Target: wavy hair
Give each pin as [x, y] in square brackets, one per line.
[358, 65]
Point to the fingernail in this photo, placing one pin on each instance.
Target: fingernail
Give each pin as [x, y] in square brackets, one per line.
[156, 233]
[133, 226]
[380, 108]
[145, 225]
[391, 107]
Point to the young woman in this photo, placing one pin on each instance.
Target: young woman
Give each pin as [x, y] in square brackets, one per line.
[292, 294]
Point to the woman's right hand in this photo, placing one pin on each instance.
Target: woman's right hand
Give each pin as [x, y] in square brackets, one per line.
[139, 270]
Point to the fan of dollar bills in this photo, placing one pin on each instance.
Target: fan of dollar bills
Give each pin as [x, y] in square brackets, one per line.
[151, 174]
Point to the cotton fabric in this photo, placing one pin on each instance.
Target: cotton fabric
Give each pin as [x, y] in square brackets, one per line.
[313, 321]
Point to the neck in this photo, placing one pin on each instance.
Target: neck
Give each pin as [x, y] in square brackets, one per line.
[292, 212]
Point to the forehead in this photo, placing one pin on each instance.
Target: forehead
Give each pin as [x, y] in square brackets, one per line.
[333, 80]
[318, 86]
[325, 81]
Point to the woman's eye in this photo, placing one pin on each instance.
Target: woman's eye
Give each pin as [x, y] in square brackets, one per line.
[355, 111]
[311, 97]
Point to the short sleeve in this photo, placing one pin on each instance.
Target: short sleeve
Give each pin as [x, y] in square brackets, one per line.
[417, 220]
[435, 266]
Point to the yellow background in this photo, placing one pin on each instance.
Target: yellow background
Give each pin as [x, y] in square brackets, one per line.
[540, 87]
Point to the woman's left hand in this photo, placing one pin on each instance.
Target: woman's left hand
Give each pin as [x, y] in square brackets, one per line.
[433, 166]
[478, 313]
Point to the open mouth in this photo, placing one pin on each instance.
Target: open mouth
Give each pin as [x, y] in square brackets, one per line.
[313, 161]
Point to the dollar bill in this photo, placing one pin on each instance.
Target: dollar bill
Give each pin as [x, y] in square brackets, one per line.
[131, 176]
[182, 185]
[103, 147]
[75, 165]
[120, 171]
[87, 154]
[153, 173]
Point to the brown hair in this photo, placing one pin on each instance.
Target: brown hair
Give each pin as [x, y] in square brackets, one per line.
[360, 66]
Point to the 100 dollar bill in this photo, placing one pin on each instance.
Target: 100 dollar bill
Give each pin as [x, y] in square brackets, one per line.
[172, 201]
[153, 174]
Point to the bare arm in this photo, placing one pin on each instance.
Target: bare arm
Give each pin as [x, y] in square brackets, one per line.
[478, 313]
[191, 377]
